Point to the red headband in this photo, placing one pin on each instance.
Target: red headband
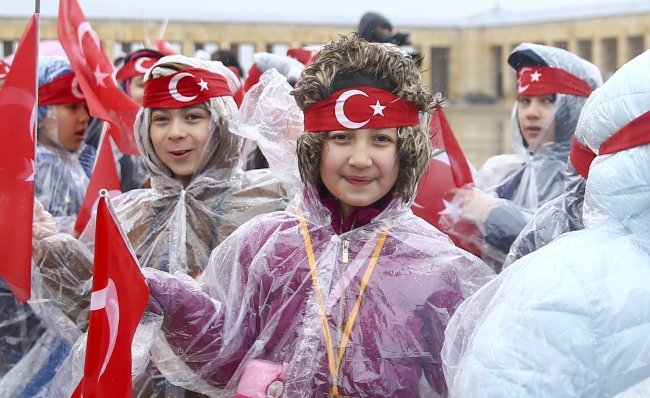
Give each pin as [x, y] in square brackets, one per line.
[581, 157]
[4, 69]
[62, 90]
[633, 134]
[184, 88]
[135, 67]
[543, 80]
[361, 107]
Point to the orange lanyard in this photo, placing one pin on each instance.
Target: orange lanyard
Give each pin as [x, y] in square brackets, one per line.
[335, 363]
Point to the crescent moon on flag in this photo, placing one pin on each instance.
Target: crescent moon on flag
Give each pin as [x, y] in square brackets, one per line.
[138, 64]
[32, 123]
[173, 90]
[84, 28]
[108, 300]
[339, 112]
[75, 89]
[113, 314]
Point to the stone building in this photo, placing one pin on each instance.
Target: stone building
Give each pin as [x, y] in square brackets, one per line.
[464, 60]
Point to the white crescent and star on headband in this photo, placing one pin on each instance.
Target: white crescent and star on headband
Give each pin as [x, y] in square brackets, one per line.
[138, 65]
[341, 117]
[75, 89]
[534, 77]
[173, 87]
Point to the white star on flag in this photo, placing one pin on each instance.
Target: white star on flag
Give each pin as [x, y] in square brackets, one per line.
[378, 109]
[100, 76]
[30, 171]
[203, 84]
[451, 209]
[534, 77]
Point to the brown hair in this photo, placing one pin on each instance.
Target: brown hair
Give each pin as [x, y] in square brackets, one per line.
[354, 62]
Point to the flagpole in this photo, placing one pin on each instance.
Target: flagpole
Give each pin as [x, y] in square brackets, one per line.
[37, 20]
[147, 39]
[104, 135]
[163, 27]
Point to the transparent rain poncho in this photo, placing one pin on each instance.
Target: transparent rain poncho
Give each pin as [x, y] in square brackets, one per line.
[258, 310]
[572, 319]
[171, 227]
[521, 182]
[554, 218]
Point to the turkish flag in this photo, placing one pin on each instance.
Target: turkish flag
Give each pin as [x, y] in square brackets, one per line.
[164, 47]
[104, 176]
[447, 169]
[119, 297]
[95, 74]
[17, 147]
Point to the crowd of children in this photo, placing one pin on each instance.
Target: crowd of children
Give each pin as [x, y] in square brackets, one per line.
[313, 277]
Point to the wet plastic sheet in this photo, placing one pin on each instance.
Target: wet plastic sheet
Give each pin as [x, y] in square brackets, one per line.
[257, 310]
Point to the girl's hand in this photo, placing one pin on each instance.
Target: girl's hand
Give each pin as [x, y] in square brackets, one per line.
[475, 205]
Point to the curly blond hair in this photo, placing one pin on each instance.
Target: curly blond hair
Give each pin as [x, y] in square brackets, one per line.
[354, 62]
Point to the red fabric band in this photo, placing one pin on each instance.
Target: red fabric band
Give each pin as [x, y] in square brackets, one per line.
[62, 90]
[135, 67]
[360, 108]
[633, 134]
[184, 88]
[581, 157]
[543, 80]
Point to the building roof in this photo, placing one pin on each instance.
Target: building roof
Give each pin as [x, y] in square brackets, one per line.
[329, 12]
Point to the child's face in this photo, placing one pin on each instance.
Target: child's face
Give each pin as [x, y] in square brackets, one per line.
[179, 137]
[136, 89]
[70, 122]
[537, 119]
[359, 167]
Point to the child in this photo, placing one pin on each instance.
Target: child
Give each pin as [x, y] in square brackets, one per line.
[346, 292]
[63, 162]
[199, 195]
[552, 86]
[572, 319]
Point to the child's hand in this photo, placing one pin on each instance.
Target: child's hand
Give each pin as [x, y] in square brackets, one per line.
[43, 225]
[475, 205]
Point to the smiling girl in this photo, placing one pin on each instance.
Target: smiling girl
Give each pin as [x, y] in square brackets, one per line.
[199, 194]
[346, 293]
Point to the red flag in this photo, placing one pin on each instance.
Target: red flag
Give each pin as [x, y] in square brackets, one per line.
[95, 74]
[17, 146]
[164, 47]
[447, 169]
[119, 297]
[104, 176]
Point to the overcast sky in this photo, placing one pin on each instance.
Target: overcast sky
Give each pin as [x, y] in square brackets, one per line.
[296, 11]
